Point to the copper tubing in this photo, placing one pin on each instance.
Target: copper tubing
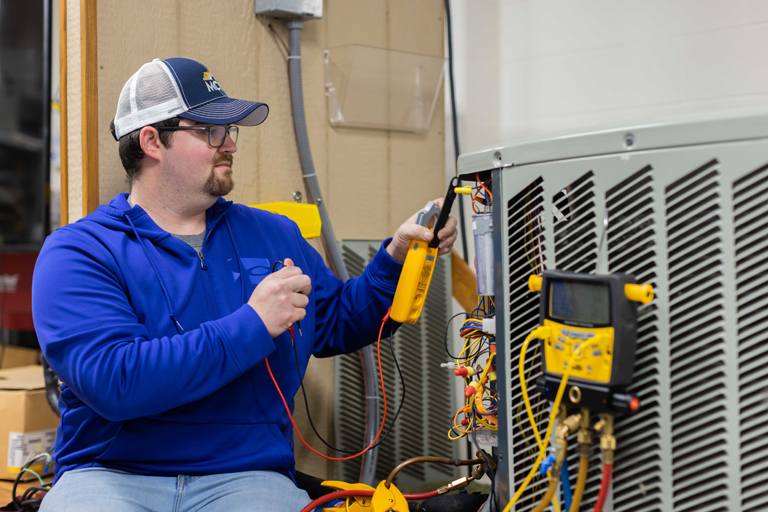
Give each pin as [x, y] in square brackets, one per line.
[436, 460]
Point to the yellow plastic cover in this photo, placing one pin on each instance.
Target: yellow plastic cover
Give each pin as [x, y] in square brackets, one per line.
[307, 216]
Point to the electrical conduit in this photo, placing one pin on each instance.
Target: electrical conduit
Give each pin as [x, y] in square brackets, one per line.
[368, 463]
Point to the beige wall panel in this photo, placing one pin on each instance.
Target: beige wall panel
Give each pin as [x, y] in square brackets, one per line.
[130, 34]
[74, 120]
[278, 155]
[227, 39]
[413, 26]
[358, 22]
[415, 159]
[358, 197]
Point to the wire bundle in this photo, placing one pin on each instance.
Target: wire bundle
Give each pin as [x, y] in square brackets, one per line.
[482, 195]
[480, 407]
[28, 501]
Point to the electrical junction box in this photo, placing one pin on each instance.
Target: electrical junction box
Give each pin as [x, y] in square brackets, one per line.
[306, 9]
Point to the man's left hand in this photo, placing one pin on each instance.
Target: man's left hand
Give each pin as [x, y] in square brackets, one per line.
[409, 230]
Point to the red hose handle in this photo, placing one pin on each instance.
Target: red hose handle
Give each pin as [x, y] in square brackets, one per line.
[349, 493]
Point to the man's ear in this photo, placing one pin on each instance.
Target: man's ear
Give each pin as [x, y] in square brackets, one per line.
[149, 139]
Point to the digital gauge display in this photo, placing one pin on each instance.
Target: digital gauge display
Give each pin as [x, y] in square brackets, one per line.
[580, 301]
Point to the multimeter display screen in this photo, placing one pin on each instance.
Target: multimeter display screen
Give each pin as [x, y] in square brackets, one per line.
[580, 301]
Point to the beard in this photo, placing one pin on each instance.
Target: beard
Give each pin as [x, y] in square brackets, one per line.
[218, 186]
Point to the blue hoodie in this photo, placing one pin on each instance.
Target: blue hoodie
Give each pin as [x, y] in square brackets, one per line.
[162, 361]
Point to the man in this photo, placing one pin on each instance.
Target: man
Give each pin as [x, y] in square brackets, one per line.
[160, 311]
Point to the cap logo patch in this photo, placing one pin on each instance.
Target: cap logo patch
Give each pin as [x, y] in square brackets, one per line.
[210, 82]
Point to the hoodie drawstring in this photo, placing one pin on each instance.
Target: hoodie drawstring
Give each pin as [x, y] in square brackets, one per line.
[176, 323]
[237, 257]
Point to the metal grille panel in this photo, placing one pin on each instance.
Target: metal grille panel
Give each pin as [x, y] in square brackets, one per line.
[696, 340]
[525, 257]
[573, 209]
[631, 248]
[750, 203]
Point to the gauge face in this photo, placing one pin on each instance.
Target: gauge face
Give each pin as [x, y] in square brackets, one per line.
[579, 302]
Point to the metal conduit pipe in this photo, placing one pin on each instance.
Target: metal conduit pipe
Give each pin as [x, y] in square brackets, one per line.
[368, 464]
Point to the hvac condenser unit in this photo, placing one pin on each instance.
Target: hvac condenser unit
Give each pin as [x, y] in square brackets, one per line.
[687, 209]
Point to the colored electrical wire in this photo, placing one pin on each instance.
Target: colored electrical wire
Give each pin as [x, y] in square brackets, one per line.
[448, 327]
[304, 392]
[486, 199]
[306, 401]
[383, 391]
[27, 504]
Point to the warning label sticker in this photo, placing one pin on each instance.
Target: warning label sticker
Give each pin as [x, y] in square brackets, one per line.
[22, 446]
[489, 438]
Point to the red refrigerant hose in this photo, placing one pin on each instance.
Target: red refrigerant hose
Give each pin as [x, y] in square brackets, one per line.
[604, 486]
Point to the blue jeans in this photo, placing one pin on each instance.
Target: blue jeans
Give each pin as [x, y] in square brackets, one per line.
[100, 490]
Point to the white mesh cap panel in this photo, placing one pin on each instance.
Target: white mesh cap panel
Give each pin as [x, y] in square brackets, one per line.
[124, 103]
[149, 96]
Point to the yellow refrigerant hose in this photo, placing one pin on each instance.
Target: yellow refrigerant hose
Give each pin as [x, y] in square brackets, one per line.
[585, 440]
[580, 481]
[539, 332]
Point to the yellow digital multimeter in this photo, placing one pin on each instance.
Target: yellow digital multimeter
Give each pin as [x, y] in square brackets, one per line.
[592, 325]
[420, 262]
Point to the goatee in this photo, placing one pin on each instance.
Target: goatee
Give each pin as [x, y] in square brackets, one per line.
[219, 186]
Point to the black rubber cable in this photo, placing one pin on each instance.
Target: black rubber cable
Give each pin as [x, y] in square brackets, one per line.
[449, 34]
[306, 402]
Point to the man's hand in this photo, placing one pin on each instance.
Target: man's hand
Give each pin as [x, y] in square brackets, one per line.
[409, 230]
[281, 297]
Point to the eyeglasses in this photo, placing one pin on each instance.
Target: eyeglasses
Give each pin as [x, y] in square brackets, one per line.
[217, 133]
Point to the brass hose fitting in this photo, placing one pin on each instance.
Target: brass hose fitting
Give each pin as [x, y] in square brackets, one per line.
[477, 474]
[455, 485]
[486, 460]
[437, 460]
[585, 435]
[569, 425]
[608, 441]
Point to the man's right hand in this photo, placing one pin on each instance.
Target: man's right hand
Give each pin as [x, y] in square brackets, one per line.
[281, 297]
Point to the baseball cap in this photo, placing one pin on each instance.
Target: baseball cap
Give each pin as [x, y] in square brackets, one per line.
[168, 88]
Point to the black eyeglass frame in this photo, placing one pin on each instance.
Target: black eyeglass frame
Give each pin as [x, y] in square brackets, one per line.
[227, 127]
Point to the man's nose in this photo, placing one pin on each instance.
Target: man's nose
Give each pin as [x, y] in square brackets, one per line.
[229, 146]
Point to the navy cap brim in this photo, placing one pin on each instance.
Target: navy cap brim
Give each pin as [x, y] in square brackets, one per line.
[228, 111]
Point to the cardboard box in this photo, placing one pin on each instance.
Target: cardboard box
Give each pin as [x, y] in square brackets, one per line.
[14, 357]
[28, 424]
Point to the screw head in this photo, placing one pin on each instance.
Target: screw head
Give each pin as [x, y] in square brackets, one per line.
[629, 141]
